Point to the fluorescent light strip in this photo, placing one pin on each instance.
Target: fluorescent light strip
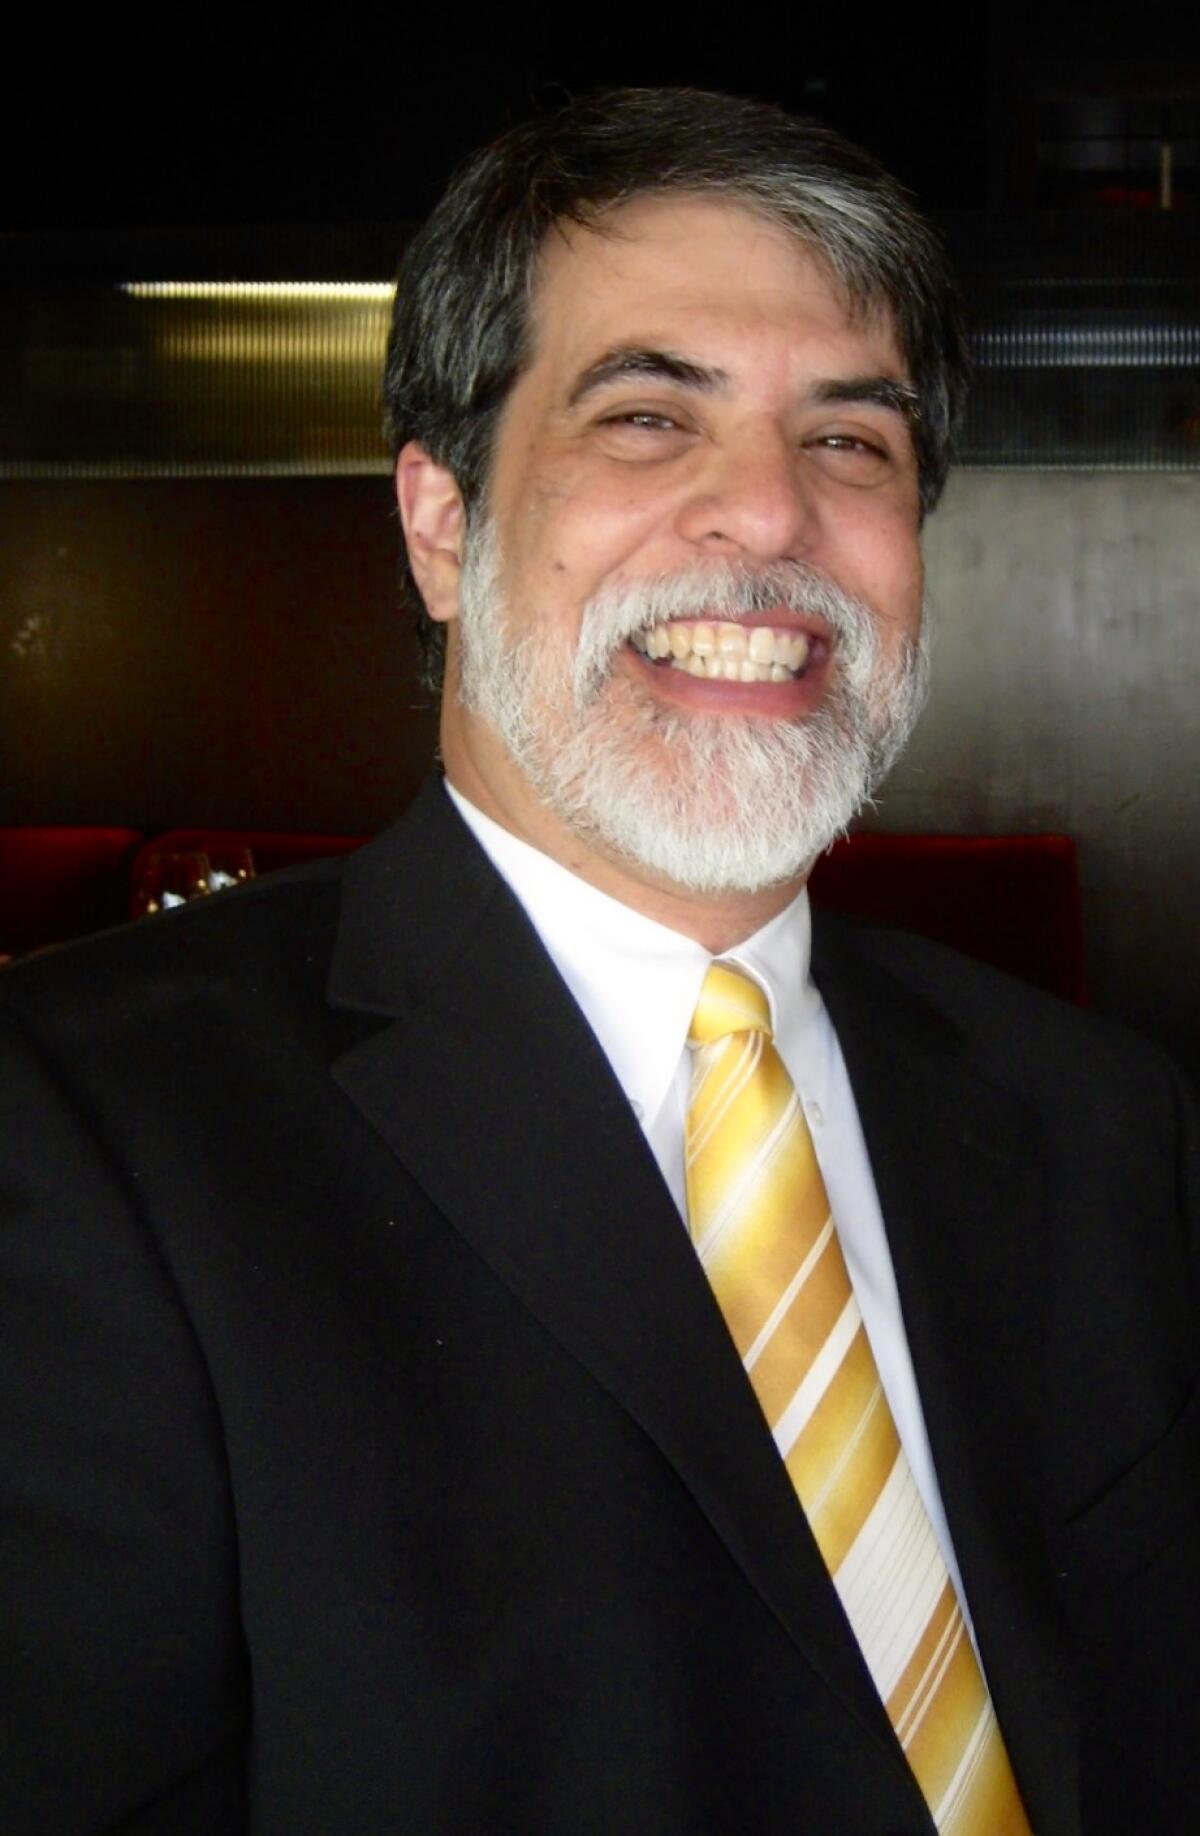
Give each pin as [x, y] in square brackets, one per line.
[266, 291]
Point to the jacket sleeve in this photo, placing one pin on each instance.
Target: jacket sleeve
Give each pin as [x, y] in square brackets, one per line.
[123, 1688]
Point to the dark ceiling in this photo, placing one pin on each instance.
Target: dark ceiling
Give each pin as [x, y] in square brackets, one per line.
[203, 116]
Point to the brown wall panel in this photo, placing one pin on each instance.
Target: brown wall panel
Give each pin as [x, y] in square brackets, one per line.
[215, 650]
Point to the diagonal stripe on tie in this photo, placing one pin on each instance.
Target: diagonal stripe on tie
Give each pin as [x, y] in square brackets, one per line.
[761, 1223]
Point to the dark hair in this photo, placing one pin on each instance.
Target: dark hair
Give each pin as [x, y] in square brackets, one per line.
[461, 325]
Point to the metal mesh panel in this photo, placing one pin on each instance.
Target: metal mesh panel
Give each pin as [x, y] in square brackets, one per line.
[1085, 335]
[194, 378]
[1085, 330]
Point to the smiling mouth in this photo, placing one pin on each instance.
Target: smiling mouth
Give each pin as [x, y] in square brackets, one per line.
[726, 652]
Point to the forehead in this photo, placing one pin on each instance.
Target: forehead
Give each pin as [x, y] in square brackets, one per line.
[711, 267]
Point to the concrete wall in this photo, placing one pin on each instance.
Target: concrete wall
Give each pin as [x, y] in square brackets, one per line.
[1067, 696]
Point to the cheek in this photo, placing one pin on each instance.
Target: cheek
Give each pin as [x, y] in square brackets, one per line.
[886, 555]
[552, 579]
[909, 592]
[588, 518]
[546, 551]
[572, 524]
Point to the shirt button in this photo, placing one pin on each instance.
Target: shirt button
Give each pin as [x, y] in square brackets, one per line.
[814, 1112]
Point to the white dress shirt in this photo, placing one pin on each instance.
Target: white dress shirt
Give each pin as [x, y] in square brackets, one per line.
[637, 984]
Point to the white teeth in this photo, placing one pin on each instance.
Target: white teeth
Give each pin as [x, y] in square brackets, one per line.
[718, 669]
[727, 652]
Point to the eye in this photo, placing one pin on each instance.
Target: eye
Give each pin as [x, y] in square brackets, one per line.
[851, 443]
[642, 434]
[649, 420]
[851, 458]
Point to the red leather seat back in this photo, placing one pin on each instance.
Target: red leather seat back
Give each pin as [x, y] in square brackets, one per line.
[1010, 900]
[59, 882]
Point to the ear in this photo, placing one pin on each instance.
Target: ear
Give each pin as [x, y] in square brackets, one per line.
[431, 512]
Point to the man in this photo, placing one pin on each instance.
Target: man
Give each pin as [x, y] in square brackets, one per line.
[387, 1447]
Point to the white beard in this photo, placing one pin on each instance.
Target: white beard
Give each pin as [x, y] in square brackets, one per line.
[712, 803]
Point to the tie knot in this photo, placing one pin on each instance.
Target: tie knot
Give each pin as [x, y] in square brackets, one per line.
[730, 1002]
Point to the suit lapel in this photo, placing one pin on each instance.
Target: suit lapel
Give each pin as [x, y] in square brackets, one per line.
[957, 1166]
[489, 1086]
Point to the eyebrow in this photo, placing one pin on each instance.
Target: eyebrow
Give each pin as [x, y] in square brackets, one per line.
[628, 360]
[874, 391]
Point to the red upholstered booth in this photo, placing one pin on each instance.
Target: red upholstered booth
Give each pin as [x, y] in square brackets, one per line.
[1010, 900]
[271, 848]
[57, 883]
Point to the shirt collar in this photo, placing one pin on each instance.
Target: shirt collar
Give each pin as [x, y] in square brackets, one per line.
[636, 981]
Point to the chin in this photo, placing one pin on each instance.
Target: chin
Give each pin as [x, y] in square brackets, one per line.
[710, 805]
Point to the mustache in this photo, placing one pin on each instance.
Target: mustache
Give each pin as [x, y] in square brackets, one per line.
[721, 591]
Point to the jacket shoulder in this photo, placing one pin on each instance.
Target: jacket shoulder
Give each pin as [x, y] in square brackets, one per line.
[1014, 1030]
[267, 943]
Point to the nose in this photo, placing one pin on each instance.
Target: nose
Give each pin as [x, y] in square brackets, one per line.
[752, 498]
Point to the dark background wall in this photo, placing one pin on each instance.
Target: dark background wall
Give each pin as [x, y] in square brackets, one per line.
[220, 651]
[357, 114]
[239, 115]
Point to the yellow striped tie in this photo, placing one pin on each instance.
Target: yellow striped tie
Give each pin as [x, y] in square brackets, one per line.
[761, 1223]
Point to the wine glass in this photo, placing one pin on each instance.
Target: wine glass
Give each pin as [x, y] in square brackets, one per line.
[170, 879]
[228, 867]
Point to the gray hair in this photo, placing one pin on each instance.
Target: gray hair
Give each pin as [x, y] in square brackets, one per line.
[461, 329]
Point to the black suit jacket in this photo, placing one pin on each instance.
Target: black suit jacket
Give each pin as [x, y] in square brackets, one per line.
[375, 1458]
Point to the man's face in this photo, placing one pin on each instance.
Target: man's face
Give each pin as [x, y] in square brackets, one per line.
[686, 631]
